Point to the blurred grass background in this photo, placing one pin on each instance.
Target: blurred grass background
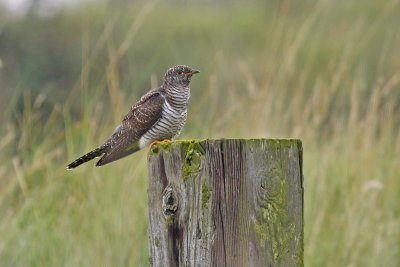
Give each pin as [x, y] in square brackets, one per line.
[324, 71]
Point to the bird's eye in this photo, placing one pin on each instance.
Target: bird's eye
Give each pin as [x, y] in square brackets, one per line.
[180, 72]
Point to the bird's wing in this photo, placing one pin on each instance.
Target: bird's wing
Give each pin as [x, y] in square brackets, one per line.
[146, 111]
[142, 116]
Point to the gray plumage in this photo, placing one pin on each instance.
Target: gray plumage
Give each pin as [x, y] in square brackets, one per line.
[158, 115]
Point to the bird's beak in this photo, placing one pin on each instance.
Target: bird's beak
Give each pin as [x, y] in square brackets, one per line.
[195, 71]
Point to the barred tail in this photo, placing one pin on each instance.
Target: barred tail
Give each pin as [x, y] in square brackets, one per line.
[85, 158]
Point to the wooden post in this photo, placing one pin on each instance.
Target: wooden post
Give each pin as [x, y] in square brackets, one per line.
[226, 203]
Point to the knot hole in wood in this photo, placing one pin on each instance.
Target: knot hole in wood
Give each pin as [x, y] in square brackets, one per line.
[170, 201]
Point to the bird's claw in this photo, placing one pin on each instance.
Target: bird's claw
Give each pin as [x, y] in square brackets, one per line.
[163, 142]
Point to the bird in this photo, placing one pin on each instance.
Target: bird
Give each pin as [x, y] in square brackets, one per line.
[158, 116]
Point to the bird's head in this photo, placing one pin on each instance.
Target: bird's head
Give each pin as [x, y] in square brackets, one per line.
[179, 76]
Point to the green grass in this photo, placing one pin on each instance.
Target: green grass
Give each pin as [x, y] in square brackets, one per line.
[326, 72]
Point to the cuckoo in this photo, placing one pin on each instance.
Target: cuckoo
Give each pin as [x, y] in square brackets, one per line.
[159, 115]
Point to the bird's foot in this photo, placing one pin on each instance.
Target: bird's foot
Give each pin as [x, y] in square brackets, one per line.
[154, 149]
[163, 142]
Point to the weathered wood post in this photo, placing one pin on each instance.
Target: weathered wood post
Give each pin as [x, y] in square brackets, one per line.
[226, 203]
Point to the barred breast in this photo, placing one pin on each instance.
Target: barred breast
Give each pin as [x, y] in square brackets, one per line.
[172, 120]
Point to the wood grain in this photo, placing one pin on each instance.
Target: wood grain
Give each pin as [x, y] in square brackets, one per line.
[227, 202]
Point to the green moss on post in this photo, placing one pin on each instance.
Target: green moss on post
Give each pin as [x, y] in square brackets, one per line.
[193, 153]
[205, 196]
